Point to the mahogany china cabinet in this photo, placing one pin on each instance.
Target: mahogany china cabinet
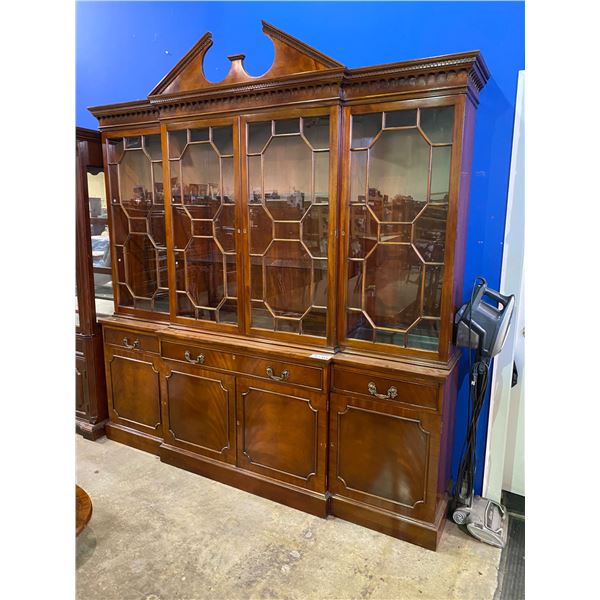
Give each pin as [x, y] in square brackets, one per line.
[94, 285]
[288, 255]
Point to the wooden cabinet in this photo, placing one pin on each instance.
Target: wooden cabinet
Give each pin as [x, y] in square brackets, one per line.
[93, 285]
[288, 256]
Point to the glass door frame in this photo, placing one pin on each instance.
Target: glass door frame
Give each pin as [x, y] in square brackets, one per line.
[333, 110]
[202, 122]
[447, 300]
[106, 137]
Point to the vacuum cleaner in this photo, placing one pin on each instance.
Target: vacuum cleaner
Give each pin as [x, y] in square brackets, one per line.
[482, 327]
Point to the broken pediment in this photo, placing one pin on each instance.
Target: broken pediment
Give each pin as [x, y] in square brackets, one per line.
[292, 57]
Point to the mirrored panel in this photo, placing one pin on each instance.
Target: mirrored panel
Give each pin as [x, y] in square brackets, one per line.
[138, 214]
[398, 210]
[288, 210]
[203, 215]
[101, 264]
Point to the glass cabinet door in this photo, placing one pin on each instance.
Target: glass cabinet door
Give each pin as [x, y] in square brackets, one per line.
[397, 213]
[287, 162]
[138, 222]
[203, 207]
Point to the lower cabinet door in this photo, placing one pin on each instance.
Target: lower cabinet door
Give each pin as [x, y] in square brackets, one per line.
[282, 432]
[384, 455]
[133, 383]
[200, 411]
[82, 405]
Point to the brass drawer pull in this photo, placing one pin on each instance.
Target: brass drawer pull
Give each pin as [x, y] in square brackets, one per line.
[391, 393]
[199, 360]
[284, 375]
[134, 346]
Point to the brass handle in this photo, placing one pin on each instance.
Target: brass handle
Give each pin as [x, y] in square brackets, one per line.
[134, 346]
[391, 393]
[199, 360]
[284, 375]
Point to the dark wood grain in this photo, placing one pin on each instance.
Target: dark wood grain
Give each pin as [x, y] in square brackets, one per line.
[91, 411]
[83, 509]
[316, 419]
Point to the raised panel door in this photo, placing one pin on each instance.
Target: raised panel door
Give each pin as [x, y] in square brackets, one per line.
[282, 433]
[384, 455]
[134, 391]
[82, 405]
[200, 411]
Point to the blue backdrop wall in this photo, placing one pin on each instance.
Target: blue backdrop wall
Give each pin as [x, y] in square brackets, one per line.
[124, 48]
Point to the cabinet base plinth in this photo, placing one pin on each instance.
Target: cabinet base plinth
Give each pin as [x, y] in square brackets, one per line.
[90, 431]
[304, 500]
[420, 533]
[133, 438]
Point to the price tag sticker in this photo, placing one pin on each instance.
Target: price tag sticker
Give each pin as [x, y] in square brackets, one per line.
[321, 356]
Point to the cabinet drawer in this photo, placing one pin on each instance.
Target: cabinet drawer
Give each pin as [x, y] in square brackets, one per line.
[198, 355]
[290, 373]
[385, 388]
[131, 340]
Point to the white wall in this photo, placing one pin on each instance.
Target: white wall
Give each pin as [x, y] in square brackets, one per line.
[505, 460]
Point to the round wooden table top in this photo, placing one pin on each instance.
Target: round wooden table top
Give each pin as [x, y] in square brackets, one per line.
[83, 510]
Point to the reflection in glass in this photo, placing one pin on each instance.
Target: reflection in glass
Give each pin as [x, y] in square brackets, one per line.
[137, 205]
[101, 264]
[399, 194]
[288, 209]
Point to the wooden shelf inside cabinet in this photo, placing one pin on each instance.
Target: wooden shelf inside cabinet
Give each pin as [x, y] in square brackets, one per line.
[288, 254]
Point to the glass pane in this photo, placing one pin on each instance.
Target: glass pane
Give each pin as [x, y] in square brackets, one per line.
[398, 174]
[222, 138]
[321, 187]
[438, 124]
[115, 150]
[425, 335]
[358, 326]
[316, 131]
[288, 220]
[430, 233]
[152, 146]
[254, 179]
[392, 295]
[199, 135]
[440, 174]
[287, 164]
[201, 177]
[258, 135]
[363, 231]
[205, 280]
[138, 227]
[401, 118]
[358, 177]
[314, 230]
[287, 278]
[287, 126]
[204, 227]
[364, 129]
[177, 142]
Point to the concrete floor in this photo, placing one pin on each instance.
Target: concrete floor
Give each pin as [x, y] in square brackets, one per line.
[161, 533]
